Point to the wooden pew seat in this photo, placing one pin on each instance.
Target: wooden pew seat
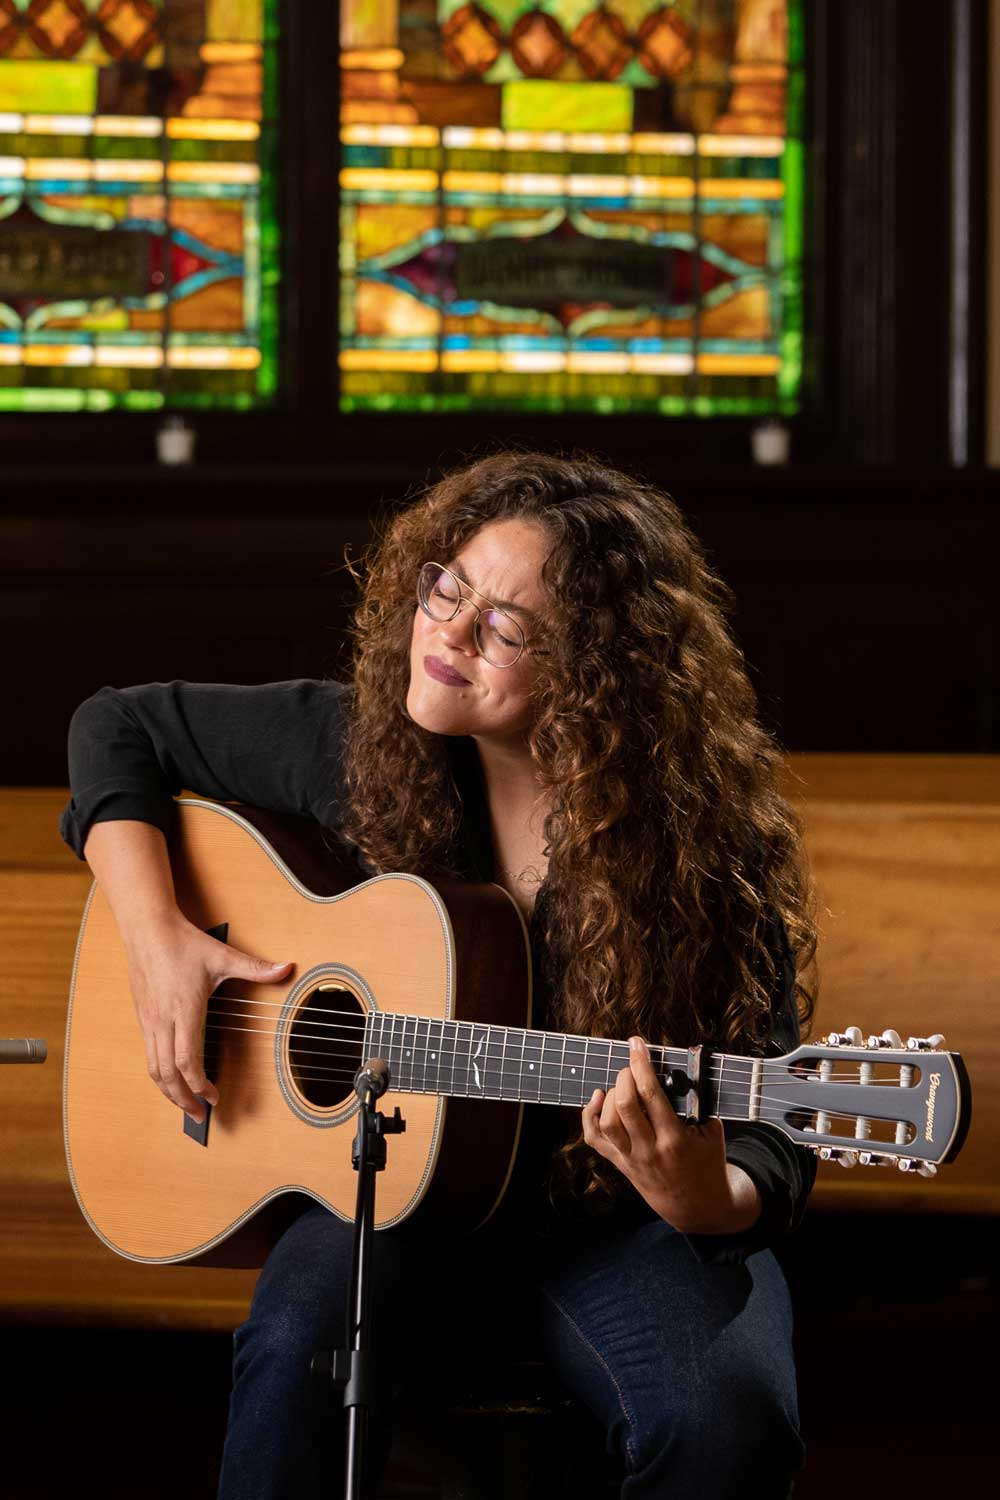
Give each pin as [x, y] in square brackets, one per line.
[906, 857]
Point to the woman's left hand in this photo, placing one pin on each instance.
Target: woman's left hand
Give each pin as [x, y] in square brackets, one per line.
[680, 1169]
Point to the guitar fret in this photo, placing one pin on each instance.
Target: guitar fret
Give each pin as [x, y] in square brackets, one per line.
[531, 1090]
[595, 1070]
[551, 1070]
[409, 1048]
[433, 1059]
[491, 1080]
[449, 1041]
[498, 1038]
[574, 1053]
[470, 1064]
[618, 1058]
[504, 1085]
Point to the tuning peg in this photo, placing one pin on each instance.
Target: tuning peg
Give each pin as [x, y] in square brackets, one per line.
[887, 1039]
[924, 1043]
[843, 1158]
[852, 1037]
[923, 1168]
[874, 1159]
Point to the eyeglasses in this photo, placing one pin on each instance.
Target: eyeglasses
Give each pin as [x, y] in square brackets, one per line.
[498, 638]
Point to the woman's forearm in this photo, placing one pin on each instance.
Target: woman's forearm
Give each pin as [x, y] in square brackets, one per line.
[131, 865]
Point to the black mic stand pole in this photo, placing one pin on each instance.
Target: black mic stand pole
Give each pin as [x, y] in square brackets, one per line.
[351, 1370]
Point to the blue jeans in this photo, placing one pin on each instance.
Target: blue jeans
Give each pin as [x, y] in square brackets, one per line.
[688, 1367]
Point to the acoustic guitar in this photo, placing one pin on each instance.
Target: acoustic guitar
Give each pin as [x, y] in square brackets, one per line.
[436, 980]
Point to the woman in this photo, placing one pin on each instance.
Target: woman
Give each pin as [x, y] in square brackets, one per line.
[545, 694]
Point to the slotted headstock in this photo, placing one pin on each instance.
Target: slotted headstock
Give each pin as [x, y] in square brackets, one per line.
[880, 1102]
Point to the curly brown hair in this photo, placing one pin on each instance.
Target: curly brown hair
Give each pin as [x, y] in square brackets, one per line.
[675, 870]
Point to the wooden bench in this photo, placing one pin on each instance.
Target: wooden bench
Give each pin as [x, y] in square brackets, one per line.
[906, 856]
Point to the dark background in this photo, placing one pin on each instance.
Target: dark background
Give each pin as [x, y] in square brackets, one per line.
[864, 571]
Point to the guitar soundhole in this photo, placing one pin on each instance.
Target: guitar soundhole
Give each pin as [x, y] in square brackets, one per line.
[324, 1046]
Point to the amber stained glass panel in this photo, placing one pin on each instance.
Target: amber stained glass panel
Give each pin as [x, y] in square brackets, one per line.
[563, 205]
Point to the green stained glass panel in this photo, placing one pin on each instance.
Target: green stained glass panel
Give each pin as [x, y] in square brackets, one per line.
[139, 232]
[534, 104]
[54, 87]
[234, 20]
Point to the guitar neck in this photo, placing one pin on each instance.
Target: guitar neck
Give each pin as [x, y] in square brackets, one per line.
[468, 1060]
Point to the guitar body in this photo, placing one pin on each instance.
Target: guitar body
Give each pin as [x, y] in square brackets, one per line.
[285, 1123]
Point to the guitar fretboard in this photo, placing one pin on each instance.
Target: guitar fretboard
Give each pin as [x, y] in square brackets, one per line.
[466, 1060]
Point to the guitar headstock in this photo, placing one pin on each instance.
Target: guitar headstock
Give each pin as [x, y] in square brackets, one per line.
[875, 1102]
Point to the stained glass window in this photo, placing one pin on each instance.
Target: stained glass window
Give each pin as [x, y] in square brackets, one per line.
[556, 204]
[138, 221]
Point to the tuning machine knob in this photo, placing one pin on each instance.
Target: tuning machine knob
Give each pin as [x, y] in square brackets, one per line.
[852, 1037]
[924, 1043]
[887, 1039]
[874, 1159]
[922, 1168]
[842, 1155]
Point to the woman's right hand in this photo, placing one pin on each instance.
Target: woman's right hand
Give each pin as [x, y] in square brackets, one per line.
[174, 967]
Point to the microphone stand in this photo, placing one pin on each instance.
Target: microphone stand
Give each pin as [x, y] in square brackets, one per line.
[351, 1370]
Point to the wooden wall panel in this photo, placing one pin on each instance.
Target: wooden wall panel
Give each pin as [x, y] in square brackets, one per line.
[51, 1266]
[906, 856]
[909, 917]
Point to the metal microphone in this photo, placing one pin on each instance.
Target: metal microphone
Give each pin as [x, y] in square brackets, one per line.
[372, 1078]
[22, 1049]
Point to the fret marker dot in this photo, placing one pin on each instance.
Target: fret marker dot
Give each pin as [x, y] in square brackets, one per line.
[408, 1054]
[433, 1057]
[531, 1066]
[573, 1071]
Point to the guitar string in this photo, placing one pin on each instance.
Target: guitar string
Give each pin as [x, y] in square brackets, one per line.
[763, 1098]
[428, 1049]
[869, 1142]
[734, 1093]
[873, 1055]
[352, 1023]
[305, 1016]
[434, 1051]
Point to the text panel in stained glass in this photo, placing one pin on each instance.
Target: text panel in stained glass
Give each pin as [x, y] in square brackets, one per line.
[556, 205]
[138, 221]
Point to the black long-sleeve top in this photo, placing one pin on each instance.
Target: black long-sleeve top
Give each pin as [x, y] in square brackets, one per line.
[280, 747]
